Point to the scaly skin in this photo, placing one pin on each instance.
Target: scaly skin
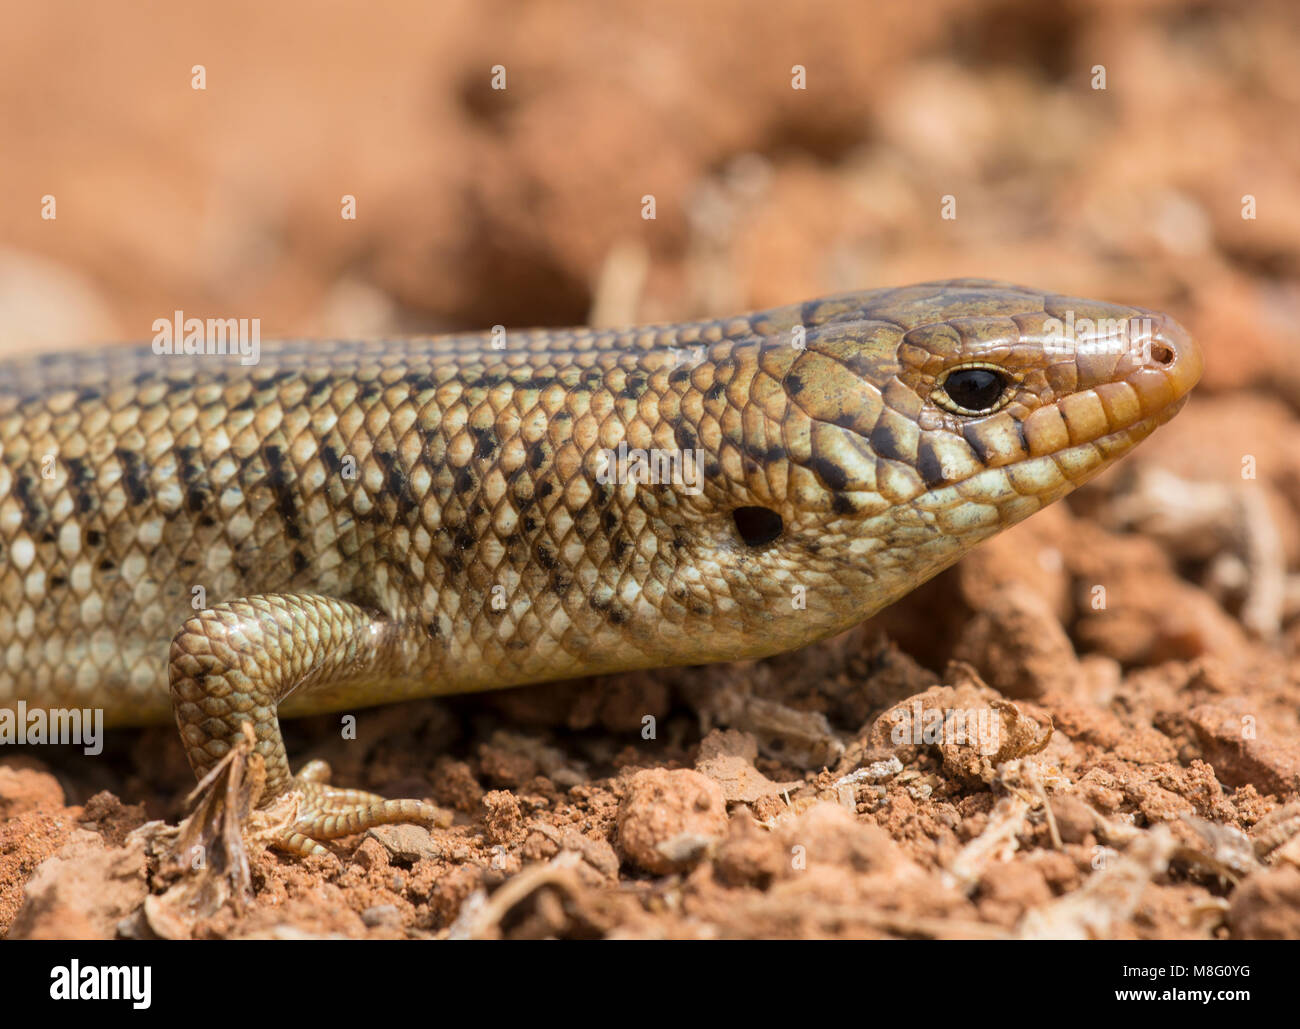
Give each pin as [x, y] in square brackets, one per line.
[373, 521]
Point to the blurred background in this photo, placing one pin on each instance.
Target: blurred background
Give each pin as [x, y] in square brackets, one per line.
[813, 149]
[524, 206]
[477, 206]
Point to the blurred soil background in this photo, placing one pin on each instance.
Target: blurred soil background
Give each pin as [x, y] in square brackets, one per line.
[1149, 785]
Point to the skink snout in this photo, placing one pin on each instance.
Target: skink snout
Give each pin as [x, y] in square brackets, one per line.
[1168, 363]
[1173, 351]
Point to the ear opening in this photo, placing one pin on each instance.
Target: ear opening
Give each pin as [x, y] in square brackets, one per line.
[757, 526]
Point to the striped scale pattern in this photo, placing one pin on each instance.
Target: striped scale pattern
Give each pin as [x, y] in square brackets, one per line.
[447, 491]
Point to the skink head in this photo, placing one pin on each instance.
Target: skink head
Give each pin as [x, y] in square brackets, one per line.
[924, 420]
[947, 380]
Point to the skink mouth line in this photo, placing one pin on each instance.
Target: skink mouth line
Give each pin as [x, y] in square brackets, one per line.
[1146, 425]
[1134, 433]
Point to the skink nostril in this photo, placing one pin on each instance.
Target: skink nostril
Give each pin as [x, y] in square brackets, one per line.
[1162, 353]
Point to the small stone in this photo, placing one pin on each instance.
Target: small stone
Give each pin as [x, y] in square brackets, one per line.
[668, 819]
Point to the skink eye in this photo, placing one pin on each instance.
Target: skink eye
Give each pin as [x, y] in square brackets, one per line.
[971, 391]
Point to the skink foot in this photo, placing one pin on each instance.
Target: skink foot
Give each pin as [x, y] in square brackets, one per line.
[328, 812]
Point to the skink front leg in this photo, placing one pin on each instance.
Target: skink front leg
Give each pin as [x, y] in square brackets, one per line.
[233, 663]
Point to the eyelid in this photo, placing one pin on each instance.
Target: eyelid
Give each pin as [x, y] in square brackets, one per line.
[941, 399]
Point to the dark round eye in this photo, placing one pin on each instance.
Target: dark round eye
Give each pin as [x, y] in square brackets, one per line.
[974, 390]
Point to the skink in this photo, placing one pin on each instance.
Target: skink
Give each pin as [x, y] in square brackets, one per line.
[345, 524]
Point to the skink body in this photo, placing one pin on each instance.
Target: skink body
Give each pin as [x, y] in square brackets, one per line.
[349, 523]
